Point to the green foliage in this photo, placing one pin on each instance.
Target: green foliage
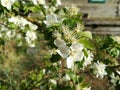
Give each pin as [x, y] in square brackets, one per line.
[32, 80]
[115, 52]
[86, 34]
[51, 51]
[72, 21]
[3, 87]
[55, 58]
[110, 46]
[87, 43]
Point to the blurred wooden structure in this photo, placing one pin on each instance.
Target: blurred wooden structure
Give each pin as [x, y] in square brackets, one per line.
[103, 18]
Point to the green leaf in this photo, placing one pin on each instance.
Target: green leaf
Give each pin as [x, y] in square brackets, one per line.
[72, 21]
[84, 84]
[12, 26]
[73, 77]
[86, 34]
[85, 52]
[80, 79]
[87, 43]
[35, 8]
[114, 52]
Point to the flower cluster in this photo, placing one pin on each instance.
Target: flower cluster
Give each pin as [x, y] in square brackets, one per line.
[73, 54]
[37, 2]
[8, 3]
[22, 23]
[99, 69]
[115, 79]
[51, 20]
[6, 33]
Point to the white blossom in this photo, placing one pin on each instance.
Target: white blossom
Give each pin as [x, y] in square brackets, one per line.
[7, 3]
[86, 88]
[73, 10]
[20, 21]
[63, 51]
[30, 38]
[51, 20]
[114, 79]
[99, 69]
[66, 77]
[72, 54]
[32, 26]
[76, 54]
[53, 81]
[37, 2]
[56, 34]
[58, 2]
[88, 59]
[79, 87]
[44, 70]
[15, 19]
[79, 27]
[5, 32]
[70, 62]
[3, 28]
[58, 42]
[10, 34]
[118, 71]
[69, 35]
[41, 2]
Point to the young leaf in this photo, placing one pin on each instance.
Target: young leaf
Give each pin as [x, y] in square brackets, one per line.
[87, 43]
[86, 34]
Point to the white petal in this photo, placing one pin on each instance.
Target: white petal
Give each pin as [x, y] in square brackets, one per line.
[51, 19]
[77, 47]
[59, 42]
[7, 3]
[63, 51]
[53, 81]
[70, 62]
[58, 2]
[118, 72]
[78, 56]
[41, 2]
[45, 22]
[35, 2]
[67, 77]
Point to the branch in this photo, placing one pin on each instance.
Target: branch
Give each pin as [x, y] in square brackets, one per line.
[28, 18]
[32, 20]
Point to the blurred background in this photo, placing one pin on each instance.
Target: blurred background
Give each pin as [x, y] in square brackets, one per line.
[100, 16]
